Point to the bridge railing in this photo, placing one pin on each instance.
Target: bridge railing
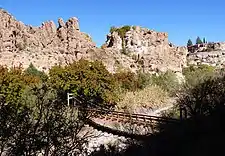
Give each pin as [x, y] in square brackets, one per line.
[119, 114]
[143, 117]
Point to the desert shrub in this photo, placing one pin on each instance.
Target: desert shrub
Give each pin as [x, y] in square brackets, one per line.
[150, 97]
[126, 80]
[33, 71]
[134, 27]
[198, 74]
[167, 81]
[112, 29]
[131, 82]
[144, 79]
[89, 80]
[121, 32]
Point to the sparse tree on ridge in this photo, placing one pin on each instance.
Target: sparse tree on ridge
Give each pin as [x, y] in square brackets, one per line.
[204, 40]
[189, 43]
[198, 40]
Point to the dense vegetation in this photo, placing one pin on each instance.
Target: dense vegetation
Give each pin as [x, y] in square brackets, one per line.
[201, 133]
[89, 80]
[198, 74]
[33, 71]
[35, 117]
[145, 90]
[34, 114]
[32, 119]
[13, 82]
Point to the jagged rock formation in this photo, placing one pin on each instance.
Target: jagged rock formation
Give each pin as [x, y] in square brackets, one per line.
[49, 45]
[211, 54]
[44, 46]
[207, 47]
[213, 58]
[149, 50]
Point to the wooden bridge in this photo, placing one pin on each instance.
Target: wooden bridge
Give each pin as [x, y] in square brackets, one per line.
[146, 121]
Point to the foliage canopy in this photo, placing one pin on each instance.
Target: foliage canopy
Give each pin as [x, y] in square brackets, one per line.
[89, 80]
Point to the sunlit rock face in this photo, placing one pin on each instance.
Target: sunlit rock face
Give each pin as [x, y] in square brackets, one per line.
[151, 50]
[44, 46]
[51, 44]
[212, 54]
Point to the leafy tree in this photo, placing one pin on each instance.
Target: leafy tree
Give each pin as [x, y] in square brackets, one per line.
[204, 41]
[198, 74]
[13, 83]
[32, 70]
[198, 40]
[127, 81]
[205, 98]
[42, 126]
[167, 81]
[90, 80]
[189, 43]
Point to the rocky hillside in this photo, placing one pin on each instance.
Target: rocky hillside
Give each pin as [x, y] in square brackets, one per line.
[149, 49]
[127, 47]
[211, 54]
[44, 46]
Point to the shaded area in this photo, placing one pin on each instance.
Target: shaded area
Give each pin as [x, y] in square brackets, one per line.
[37, 124]
[114, 131]
[202, 133]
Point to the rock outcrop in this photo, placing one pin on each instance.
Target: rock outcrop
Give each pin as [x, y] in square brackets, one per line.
[49, 45]
[212, 54]
[207, 47]
[212, 58]
[44, 46]
[148, 49]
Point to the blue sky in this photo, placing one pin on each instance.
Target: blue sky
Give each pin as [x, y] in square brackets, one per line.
[181, 19]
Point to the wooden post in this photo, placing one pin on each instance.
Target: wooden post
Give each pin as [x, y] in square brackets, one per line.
[181, 113]
[68, 99]
[69, 96]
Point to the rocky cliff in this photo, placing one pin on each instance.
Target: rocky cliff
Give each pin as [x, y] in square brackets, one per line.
[132, 48]
[44, 46]
[148, 49]
[207, 47]
[211, 54]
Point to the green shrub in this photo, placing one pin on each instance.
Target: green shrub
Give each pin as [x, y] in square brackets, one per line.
[134, 27]
[204, 98]
[113, 29]
[144, 79]
[41, 126]
[121, 32]
[91, 80]
[127, 80]
[167, 81]
[132, 82]
[33, 71]
[13, 83]
[149, 97]
[198, 74]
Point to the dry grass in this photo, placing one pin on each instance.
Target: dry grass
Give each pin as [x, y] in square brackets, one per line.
[149, 97]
